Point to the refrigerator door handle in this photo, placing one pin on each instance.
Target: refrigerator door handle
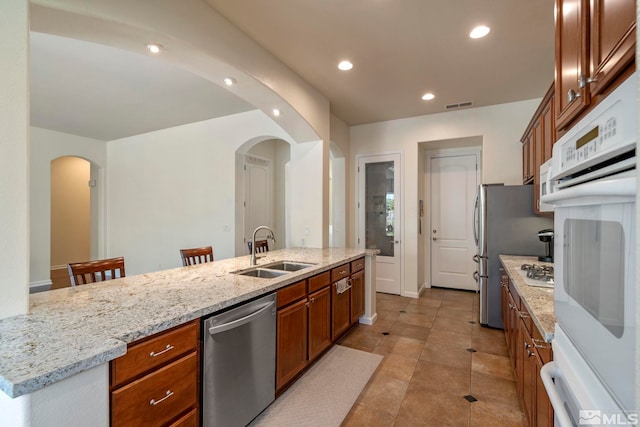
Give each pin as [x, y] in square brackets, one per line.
[474, 218]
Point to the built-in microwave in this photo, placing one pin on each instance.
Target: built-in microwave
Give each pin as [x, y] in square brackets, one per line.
[592, 186]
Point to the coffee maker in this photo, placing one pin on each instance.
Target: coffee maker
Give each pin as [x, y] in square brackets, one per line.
[546, 236]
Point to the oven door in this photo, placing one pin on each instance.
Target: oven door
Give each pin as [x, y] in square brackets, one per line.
[594, 293]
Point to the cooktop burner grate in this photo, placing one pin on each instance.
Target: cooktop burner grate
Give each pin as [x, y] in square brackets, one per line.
[538, 272]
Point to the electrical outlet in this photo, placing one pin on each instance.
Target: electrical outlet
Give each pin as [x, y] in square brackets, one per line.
[302, 242]
[307, 230]
[226, 228]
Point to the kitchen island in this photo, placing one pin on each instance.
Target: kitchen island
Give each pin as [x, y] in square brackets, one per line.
[49, 356]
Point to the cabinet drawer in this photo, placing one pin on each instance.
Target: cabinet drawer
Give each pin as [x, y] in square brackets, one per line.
[158, 397]
[357, 265]
[190, 419]
[527, 321]
[319, 281]
[292, 293]
[151, 353]
[340, 272]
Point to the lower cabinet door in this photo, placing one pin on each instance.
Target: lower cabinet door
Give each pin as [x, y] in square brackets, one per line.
[188, 420]
[357, 296]
[544, 410]
[319, 322]
[291, 356]
[157, 398]
[340, 311]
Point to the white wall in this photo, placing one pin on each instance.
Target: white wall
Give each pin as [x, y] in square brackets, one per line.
[500, 126]
[14, 149]
[175, 188]
[47, 145]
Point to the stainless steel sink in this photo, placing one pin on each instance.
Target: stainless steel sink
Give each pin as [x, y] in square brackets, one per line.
[288, 265]
[262, 272]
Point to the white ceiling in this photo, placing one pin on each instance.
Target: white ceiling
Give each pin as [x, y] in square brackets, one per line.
[105, 93]
[400, 48]
[404, 48]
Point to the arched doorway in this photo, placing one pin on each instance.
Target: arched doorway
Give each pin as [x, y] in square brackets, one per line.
[73, 225]
[261, 191]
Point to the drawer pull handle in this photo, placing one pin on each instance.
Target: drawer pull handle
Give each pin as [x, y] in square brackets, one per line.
[154, 402]
[154, 354]
[343, 272]
[540, 343]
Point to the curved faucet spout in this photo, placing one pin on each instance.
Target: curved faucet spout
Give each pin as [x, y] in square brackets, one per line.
[253, 241]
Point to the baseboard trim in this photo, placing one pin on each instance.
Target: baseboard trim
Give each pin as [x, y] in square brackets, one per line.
[414, 295]
[369, 320]
[40, 286]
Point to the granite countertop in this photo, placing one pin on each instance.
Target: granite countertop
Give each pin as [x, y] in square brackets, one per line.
[539, 301]
[74, 329]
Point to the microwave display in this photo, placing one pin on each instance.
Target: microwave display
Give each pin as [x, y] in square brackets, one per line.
[587, 137]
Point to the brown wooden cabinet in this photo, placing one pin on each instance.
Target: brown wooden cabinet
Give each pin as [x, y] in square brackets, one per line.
[319, 322]
[595, 47]
[537, 144]
[340, 301]
[312, 315]
[528, 353]
[157, 381]
[291, 349]
[303, 326]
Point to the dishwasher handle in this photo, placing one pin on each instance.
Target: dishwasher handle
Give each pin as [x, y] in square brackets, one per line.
[241, 321]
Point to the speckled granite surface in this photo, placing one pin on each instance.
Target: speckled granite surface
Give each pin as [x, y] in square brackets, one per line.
[73, 329]
[539, 301]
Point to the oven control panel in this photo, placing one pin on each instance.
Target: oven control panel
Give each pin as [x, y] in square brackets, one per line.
[607, 131]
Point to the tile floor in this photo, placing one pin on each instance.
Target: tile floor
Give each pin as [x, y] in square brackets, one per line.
[427, 370]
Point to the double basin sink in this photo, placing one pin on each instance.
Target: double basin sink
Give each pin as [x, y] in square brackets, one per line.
[275, 269]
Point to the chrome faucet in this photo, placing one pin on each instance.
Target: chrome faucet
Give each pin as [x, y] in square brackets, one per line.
[253, 242]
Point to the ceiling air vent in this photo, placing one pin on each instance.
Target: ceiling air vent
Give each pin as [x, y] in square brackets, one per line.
[459, 105]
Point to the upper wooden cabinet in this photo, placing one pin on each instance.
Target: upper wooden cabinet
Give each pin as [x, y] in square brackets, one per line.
[595, 44]
[537, 143]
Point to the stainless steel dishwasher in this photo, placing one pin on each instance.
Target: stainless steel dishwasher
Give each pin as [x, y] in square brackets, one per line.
[239, 363]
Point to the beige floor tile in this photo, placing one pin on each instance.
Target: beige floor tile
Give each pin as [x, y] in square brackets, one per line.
[398, 367]
[490, 364]
[437, 407]
[407, 347]
[384, 394]
[424, 310]
[435, 376]
[426, 302]
[454, 339]
[447, 355]
[496, 390]
[416, 319]
[430, 390]
[420, 333]
[488, 414]
[362, 415]
[495, 344]
[461, 327]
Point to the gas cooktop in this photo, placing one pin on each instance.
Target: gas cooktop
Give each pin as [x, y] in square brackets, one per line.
[537, 275]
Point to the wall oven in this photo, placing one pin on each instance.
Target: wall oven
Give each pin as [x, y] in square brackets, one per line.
[592, 185]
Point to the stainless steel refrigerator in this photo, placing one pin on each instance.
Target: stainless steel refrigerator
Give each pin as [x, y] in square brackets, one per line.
[504, 223]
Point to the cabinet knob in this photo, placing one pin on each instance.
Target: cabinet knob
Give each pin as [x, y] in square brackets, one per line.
[583, 80]
[572, 95]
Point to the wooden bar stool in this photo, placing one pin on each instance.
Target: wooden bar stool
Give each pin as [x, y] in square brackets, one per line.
[81, 273]
[196, 255]
[261, 246]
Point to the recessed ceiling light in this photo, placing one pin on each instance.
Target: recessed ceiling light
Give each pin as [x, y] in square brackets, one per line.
[345, 65]
[154, 48]
[230, 81]
[479, 32]
[428, 96]
[276, 112]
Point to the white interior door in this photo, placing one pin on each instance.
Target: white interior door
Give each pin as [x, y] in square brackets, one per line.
[258, 197]
[379, 216]
[454, 180]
